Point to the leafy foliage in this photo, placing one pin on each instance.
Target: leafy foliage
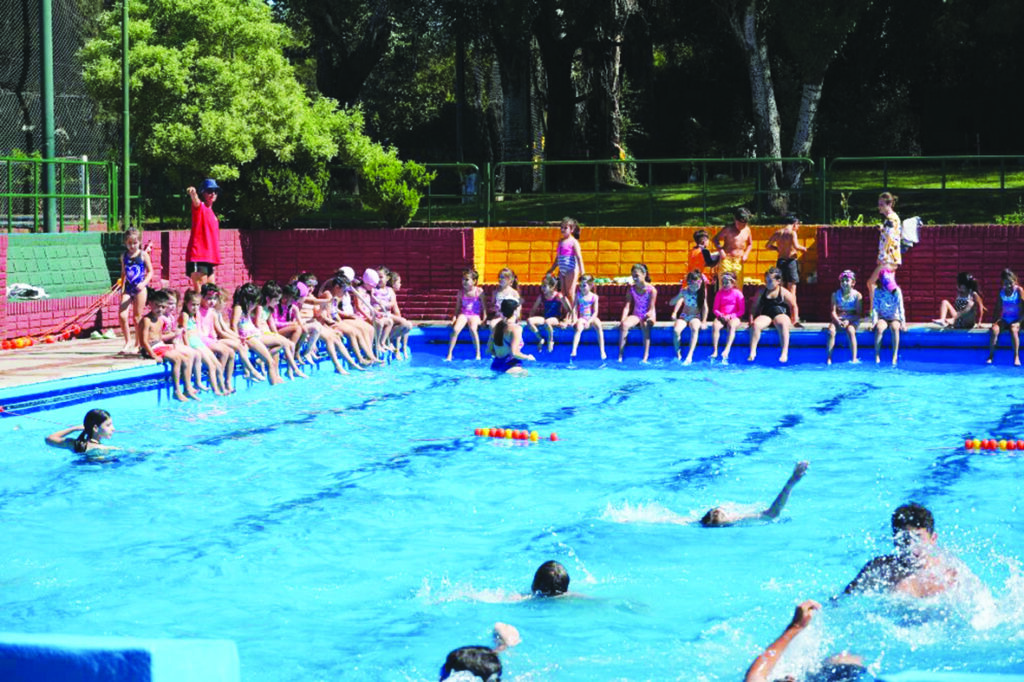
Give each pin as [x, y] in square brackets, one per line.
[394, 188]
[212, 94]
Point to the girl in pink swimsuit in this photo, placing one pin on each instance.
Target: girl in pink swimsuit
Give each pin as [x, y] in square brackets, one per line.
[585, 315]
[469, 310]
[568, 258]
[642, 297]
[728, 309]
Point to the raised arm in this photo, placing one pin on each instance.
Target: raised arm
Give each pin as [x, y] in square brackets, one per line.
[780, 500]
[58, 439]
[761, 669]
[194, 196]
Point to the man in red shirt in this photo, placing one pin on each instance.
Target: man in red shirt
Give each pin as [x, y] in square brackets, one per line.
[204, 242]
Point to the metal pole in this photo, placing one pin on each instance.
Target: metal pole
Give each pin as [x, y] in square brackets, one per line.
[49, 178]
[125, 120]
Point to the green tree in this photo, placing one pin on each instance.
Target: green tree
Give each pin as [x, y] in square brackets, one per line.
[213, 94]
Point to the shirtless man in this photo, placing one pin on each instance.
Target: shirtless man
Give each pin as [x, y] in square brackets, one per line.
[735, 242]
[916, 568]
[787, 242]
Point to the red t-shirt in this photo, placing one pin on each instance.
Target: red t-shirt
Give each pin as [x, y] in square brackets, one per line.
[204, 241]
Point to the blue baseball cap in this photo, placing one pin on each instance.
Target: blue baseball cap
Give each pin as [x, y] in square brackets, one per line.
[209, 185]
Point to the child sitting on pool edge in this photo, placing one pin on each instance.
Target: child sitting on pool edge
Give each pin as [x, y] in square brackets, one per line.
[847, 306]
[887, 311]
[551, 309]
[156, 344]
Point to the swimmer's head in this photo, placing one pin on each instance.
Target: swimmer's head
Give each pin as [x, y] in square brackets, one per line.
[550, 580]
[714, 518]
[694, 277]
[97, 423]
[478, 660]
[271, 293]
[773, 277]
[470, 277]
[549, 283]
[728, 279]
[1009, 278]
[913, 529]
[848, 276]
[741, 215]
[586, 282]
[701, 238]
[639, 273]
[509, 307]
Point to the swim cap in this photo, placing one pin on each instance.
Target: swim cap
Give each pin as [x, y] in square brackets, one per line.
[847, 274]
[348, 272]
[887, 278]
[371, 277]
[303, 289]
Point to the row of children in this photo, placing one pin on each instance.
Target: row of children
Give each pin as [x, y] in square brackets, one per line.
[357, 320]
[774, 305]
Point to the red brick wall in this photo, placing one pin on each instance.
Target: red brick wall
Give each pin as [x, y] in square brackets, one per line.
[431, 262]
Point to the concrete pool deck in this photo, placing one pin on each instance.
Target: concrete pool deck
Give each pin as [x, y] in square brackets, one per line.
[85, 357]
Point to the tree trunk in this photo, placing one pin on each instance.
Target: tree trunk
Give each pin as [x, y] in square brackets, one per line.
[803, 136]
[514, 60]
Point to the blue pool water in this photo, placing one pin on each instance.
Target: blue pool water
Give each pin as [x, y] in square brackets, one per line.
[355, 528]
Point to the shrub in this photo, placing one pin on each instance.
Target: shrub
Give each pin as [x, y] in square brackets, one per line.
[393, 188]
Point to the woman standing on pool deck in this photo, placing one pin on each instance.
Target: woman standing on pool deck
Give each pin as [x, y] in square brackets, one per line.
[203, 252]
[568, 258]
[890, 232]
[506, 341]
[642, 296]
[1007, 316]
[773, 306]
[97, 425]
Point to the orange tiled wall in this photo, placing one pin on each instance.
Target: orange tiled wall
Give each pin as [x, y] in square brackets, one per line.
[611, 251]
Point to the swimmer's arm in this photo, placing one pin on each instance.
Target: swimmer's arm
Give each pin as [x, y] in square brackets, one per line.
[58, 439]
[625, 308]
[773, 511]
[677, 303]
[761, 669]
[772, 244]
[714, 240]
[538, 305]
[505, 637]
[516, 345]
[704, 310]
[836, 320]
[579, 256]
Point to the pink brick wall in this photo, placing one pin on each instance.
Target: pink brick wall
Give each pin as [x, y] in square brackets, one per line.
[431, 260]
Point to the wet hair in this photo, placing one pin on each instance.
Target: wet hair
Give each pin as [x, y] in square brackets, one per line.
[91, 424]
[643, 269]
[511, 273]
[912, 515]
[385, 274]
[271, 289]
[588, 280]
[290, 291]
[700, 235]
[472, 273]
[774, 273]
[790, 219]
[841, 672]
[246, 296]
[966, 280]
[550, 580]
[508, 309]
[567, 221]
[131, 232]
[393, 278]
[479, 660]
[209, 288]
[550, 281]
[888, 198]
[741, 215]
[1008, 274]
[708, 520]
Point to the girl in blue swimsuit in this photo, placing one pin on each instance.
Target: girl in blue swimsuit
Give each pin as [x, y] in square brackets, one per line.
[1007, 316]
[506, 341]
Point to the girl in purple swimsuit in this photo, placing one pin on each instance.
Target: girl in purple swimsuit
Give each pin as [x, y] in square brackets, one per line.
[642, 296]
[469, 310]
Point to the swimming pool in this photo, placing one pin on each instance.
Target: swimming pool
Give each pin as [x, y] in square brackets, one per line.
[355, 528]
